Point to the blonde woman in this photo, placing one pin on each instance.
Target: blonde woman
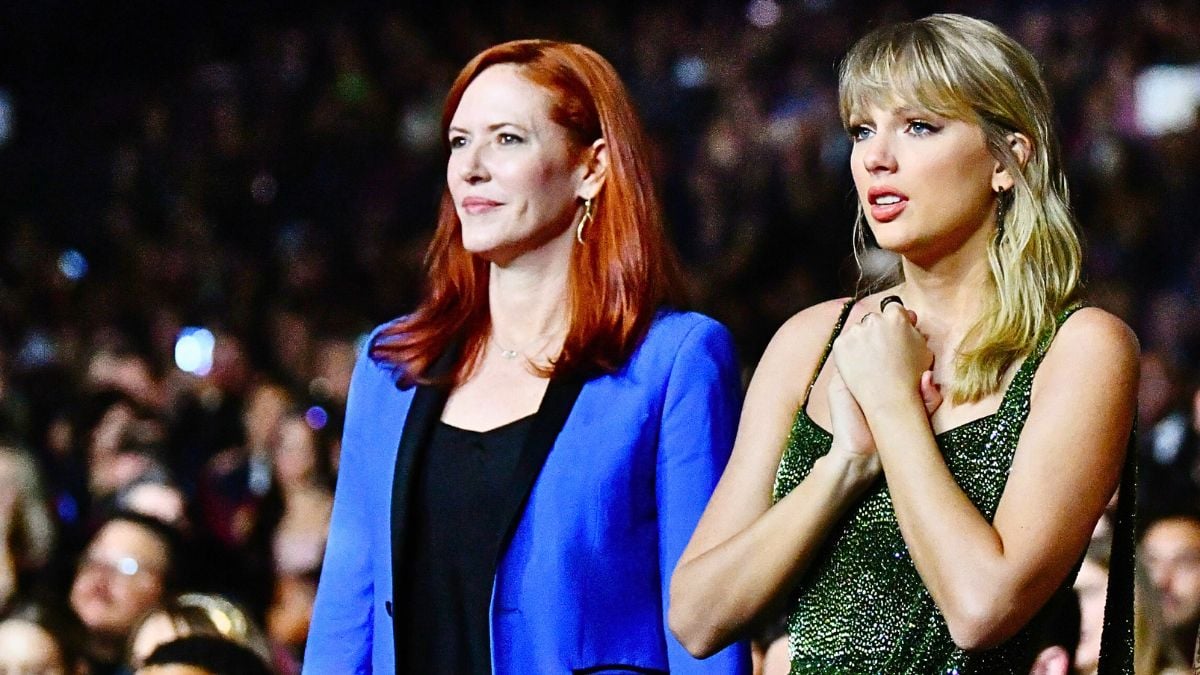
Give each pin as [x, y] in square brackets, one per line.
[918, 470]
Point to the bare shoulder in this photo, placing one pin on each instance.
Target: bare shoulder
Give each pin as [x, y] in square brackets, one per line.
[806, 331]
[1096, 344]
[787, 365]
[1092, 335]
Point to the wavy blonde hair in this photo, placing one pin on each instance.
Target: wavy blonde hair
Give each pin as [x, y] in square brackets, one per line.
[967, 69]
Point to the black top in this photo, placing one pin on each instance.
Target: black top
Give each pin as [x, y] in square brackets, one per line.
[454, 542]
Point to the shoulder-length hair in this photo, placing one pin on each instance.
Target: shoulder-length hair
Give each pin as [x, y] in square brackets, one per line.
[968, 69]
[619, 277]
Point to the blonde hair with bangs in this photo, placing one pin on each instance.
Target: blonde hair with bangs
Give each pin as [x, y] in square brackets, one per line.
[967, 69]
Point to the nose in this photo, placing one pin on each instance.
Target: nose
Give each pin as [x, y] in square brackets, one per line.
[1160, 576]
[877, 154]
[469, 165]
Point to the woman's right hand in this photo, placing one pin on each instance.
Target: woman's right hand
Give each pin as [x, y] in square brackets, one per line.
[852, 439]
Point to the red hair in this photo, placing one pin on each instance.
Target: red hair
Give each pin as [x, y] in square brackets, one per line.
[618, 279]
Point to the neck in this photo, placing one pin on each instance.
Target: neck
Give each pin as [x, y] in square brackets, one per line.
[528, 297]
[949, 293]
[105, 648]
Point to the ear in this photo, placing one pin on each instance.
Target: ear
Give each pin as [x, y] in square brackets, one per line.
[594, 168]
[1051, 661]
[1022, 149]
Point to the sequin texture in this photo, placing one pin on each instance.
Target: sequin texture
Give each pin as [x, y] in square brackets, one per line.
[861, 607]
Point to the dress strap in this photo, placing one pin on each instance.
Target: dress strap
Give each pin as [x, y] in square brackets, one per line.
[837, 330]
[1116, 637]
[1043, 343]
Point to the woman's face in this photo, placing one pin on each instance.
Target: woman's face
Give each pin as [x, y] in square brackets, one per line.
[296, 452]
[926, 183]
[27, 648]
[513, 173]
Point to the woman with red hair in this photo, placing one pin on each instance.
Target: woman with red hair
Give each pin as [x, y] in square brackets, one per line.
[544, 429]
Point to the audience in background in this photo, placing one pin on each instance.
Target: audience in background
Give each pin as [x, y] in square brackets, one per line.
[125, 571]
[1091, 586]
[1170, 551]
[272, 179]
[203, 655]
[205, 615]
[36, 637]
[26, 528]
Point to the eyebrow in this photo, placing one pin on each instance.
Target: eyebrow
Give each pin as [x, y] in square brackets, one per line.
[911, 111]
[490, 127]
[903, 110]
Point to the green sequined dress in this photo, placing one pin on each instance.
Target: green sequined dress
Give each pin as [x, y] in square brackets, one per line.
[861, 607]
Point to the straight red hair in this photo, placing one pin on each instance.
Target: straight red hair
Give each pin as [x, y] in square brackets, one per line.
[623, 273]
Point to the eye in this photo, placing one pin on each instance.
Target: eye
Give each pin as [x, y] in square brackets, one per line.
[859, 132]
[457, 141]
[922, 128]
[506, 138]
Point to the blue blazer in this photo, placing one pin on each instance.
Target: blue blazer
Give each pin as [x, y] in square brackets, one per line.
[613, 479]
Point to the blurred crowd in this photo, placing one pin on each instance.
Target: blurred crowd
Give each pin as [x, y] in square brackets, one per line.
[206, 205]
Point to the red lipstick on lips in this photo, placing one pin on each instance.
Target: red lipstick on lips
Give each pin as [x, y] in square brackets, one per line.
[894, 203]
[478, 205]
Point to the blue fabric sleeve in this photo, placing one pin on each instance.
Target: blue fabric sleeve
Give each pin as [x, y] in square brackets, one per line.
[340, 635]
[700, 413]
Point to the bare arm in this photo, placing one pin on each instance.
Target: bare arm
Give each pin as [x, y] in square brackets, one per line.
[744, 553]
[989, 579]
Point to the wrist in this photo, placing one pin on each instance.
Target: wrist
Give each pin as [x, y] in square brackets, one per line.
[897, 403]
[851, 474]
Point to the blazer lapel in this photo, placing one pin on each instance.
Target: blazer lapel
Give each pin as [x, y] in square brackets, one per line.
[424, 411]
[547, 423]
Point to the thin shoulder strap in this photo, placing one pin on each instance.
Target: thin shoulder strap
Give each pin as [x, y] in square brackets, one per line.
[1043, 344]
[1116, 638]
[837, 330]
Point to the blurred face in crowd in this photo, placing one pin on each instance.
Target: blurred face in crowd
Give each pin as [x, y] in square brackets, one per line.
[296, 452]
[27, 648]
[335, 362]
[1171, 550]
[266, 407]
[925, 182]
[513, 172]
[120, 578]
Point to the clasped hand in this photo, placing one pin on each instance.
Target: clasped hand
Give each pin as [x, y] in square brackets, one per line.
[882, 360]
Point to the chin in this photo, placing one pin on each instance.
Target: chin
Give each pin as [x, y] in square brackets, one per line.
[479, 242]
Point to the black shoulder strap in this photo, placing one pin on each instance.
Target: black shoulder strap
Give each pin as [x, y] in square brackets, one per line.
[1116, 640]
[837, 330]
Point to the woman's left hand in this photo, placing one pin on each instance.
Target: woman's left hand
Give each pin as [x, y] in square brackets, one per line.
[882, 358]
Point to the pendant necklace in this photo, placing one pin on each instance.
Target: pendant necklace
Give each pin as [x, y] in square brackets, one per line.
[510, 354]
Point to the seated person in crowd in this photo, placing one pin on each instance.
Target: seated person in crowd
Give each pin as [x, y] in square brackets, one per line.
[39, 638]
[203, 655]
[200, 614]
[126, 569]
[1170, 549]
[1058, 640]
